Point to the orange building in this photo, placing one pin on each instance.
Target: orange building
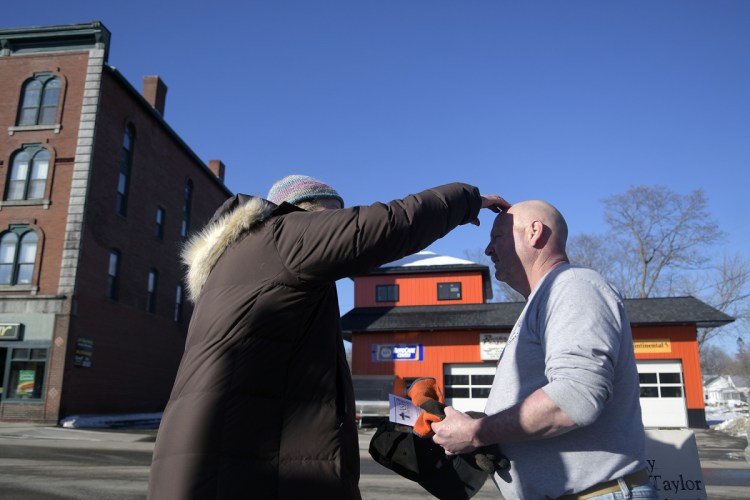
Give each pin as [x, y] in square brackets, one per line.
[429, 316]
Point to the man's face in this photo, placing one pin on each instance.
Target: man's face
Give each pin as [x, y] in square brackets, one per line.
[502, 249]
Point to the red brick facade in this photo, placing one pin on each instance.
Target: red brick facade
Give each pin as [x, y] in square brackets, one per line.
[127, 355]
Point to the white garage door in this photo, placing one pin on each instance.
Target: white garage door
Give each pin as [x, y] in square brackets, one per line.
[468, 385]
[662, 394]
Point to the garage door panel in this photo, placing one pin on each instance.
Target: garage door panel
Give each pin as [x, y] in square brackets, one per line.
[662, 393]
[467, 386]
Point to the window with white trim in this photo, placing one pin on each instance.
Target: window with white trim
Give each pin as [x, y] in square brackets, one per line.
[27, 177]
[661, 385]
[39, 100]
[18, 255]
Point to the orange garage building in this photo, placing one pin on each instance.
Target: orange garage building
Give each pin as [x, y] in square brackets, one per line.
[429, 316]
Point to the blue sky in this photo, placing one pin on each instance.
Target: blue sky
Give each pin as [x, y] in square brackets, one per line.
[567, 101]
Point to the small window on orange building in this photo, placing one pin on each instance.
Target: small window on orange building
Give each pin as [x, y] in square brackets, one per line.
[386, 293]
[449, 291]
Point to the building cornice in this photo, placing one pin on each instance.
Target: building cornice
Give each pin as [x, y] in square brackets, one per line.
[66, 37]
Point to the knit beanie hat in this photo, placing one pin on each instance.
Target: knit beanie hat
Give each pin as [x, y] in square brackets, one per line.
[298, 188]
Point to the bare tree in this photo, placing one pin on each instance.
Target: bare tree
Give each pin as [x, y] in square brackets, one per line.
[657, 233]
[659, 242]
[715, 361]
[725, 286]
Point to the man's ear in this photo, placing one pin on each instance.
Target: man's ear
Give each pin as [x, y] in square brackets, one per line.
[536, 233]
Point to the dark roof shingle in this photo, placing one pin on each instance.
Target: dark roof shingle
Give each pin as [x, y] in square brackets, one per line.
[503, 315]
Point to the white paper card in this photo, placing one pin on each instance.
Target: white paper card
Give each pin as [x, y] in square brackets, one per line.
[402, 411]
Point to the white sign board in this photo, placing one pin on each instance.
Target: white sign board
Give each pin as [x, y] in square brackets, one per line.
[402, 411]
[491, 345]
[673, 464]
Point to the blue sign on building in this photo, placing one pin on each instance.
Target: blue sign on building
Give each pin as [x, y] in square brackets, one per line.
[391, 352]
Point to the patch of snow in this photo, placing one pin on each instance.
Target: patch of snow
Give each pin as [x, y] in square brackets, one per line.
[730, 417]
[132, 421]
[427, 258]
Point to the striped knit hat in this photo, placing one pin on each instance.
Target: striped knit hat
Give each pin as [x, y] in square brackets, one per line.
[298, 188]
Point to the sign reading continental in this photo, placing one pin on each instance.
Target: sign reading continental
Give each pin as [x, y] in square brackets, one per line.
[391, 352]
[652, 345]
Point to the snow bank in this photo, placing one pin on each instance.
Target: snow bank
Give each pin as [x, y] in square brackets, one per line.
[132, 421]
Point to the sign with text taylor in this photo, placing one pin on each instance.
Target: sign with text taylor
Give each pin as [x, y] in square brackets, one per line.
[393, 352]
[673, 464]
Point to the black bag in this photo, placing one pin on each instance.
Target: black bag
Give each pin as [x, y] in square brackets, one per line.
[447, 477]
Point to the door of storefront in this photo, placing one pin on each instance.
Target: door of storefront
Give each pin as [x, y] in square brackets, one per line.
[662, 393]
[468, 385]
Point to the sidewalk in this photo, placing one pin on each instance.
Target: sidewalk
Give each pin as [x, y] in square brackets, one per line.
[41, 435]
[726, 473]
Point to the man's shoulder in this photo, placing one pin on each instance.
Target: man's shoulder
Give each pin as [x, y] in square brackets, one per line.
[569, 278]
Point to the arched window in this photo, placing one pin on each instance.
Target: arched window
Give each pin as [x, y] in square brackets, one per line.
[39, 100]
[17, 256]
[28, 174]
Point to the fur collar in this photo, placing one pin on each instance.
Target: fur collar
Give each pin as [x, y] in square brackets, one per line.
[203, 249]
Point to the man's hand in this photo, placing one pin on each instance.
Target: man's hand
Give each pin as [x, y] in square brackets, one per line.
[456, 433]
[494, 203]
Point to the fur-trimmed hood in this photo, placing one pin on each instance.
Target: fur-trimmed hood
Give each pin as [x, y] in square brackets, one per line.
[235, 217]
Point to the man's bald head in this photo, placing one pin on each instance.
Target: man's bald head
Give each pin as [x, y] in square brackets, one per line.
[526, 242]
[526, 212]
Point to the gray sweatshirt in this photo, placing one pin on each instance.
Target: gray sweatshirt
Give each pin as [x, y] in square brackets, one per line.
[572, 339]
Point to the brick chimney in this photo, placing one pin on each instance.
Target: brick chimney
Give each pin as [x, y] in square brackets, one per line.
[155, 92]
[217, 167]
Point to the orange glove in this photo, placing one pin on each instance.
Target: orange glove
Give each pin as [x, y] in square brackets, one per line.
[426, 394]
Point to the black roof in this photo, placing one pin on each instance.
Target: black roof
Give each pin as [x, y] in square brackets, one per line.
[503, 315]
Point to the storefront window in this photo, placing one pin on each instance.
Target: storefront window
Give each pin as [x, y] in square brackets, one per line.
[27, 368]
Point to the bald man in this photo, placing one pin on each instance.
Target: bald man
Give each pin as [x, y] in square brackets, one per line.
[564, 405]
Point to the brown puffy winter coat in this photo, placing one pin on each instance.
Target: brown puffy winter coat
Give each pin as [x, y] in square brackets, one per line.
[262, 406]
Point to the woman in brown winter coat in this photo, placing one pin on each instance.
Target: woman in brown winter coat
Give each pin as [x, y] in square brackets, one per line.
[262, 405]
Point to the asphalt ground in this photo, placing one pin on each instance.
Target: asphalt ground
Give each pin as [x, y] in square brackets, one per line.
[39, 463]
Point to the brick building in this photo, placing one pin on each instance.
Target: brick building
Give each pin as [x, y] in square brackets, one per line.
[98, 193]
[430, 316]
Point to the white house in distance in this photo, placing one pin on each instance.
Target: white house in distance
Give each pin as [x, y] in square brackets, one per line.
[723, 388]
